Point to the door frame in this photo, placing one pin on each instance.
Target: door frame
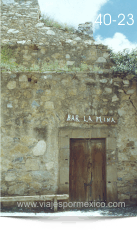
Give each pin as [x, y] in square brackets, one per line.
[97, 132]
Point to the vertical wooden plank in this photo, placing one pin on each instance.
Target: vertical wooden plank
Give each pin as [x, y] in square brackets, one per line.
[99, 163]
[89, 171]
[78, 174]
[87, 161]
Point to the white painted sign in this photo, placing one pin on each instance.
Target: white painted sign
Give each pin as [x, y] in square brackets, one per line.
[92, 119]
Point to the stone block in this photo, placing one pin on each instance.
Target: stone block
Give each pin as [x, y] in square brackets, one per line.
[49, 165]
[103, 80]
[32, 164]
[21, 42]
[27, 57]
[70, 63]
[64, 143]
[49, 105]
[41, 24]
[13, 76]
[108, 90]
[66, 81]
[28, 140]
[10, 177]
[67, 56]
[44, 176]
[115, 98]
[63, 189]
[50, 32]
[123, 156]
[11, 85]
[133, 158]
[36, 186]
[43, 98]
[13, 31]
[48, 92]
[111, 189]
[25, 178]
[111, 173]
[6, 164]
[81, 133]
[98, 91]
[43, 51]
[88, 42]
[19, 149]
[64, 175]
[40, 148]
[105, 55]
[64, 154]
[99, 132]
[57, 56]
[82, 87]
[104, 111]
[3, 188]
[72, 92]
[65, 133]
[126, 82]
[6, 140]
[134, 198]
[77, 39]
[123, 197]
[17, 189]
[111, 143]
[64, 162]
[121, 112]
[120, 90]
[23, 78]
[24, 85]
[9, 105]
[124, 97]
[130, 91]
[101, 60]
[27, 94]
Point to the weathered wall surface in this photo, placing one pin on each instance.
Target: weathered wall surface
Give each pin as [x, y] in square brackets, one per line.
[34, 43]
[61, 56]
[34, 118]
[127, 143]
[35, 131]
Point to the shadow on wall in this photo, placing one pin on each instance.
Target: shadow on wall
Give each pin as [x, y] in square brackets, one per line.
[40, 133]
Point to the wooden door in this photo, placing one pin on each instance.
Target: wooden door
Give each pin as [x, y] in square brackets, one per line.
[87, 179]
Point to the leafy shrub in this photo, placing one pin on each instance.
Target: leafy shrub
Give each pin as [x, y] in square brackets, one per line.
[125, 61]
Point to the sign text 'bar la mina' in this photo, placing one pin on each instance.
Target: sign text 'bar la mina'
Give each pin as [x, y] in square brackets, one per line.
[92, 119]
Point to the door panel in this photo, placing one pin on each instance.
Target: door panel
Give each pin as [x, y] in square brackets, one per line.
[87, 179]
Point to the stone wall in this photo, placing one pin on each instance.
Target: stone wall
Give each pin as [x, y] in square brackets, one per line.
[35, 130]
[18, 21]
[41, 111]
[33, 43]
[61, 56]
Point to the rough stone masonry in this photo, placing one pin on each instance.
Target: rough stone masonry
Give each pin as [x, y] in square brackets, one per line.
[42, 111]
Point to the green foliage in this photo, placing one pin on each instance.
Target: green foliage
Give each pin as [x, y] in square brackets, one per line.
[125, 61]
[7, 58]
[51, 22]
[6, 53]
